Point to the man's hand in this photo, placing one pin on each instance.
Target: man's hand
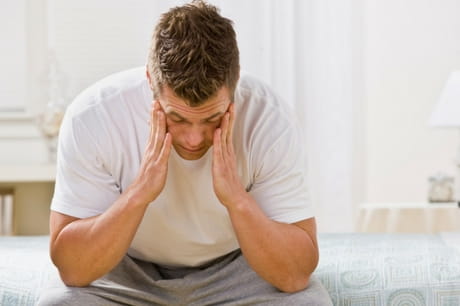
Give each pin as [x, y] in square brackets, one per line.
[151, 178]
[227, 184]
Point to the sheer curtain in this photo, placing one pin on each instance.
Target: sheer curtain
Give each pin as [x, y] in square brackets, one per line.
[330, 84]
[309, 52]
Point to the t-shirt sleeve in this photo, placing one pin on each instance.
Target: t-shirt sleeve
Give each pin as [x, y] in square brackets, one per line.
[84, 187]
[280, 183]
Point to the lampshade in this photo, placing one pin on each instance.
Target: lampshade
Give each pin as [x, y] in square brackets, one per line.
[447, 111]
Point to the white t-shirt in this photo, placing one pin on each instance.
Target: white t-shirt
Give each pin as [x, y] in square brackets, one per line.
[101, 144]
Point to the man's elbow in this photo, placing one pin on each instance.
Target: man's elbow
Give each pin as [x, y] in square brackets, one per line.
[72, 276]
[74, 280]
[299, 280]
[294, 284]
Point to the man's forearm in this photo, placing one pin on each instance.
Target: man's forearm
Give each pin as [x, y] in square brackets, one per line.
[86, 249]
[285, 255]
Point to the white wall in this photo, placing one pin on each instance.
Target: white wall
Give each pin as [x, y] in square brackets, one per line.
[411, 47]
[20, 140]
[402, 53]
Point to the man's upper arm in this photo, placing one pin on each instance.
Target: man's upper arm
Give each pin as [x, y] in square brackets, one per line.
[57, 222]
[280, 184]
[309, 226]
[84, 186]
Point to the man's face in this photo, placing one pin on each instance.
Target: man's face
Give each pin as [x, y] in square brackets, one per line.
[192, 128]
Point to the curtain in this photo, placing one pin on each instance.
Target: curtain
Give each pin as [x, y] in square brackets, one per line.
[309, 52]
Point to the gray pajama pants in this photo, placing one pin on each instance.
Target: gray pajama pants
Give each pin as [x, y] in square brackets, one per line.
[227, 281]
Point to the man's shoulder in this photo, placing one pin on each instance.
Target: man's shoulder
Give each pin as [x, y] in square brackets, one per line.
[256, 97]
[263, 116]
[250, 84]
[257, 92]
[111, 89]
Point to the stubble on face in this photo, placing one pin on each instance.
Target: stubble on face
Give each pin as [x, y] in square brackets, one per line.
[192, 128]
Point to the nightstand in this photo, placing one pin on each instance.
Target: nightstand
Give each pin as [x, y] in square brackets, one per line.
[409, 217]
[27, 173]
[33, 187]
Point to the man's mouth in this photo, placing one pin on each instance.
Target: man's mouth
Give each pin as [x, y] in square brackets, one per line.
[194, 150]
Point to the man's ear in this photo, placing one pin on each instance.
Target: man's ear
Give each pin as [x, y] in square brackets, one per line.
[147, 74]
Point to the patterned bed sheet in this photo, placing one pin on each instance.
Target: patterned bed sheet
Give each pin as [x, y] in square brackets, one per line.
[389, 269]
[356, 269]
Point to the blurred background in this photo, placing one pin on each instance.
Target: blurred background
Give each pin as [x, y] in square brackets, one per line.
[364, 78]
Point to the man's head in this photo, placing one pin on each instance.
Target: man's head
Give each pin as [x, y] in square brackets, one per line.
[194, 52]
[193, 68]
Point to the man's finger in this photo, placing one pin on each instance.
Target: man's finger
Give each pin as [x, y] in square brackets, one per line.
[166, 149]
[231, 125]
[224, 132]
[160, 131]
[153, 120]
[217, 145]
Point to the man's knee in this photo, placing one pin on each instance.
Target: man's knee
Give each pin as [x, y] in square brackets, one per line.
[314, 295]
[67, 296]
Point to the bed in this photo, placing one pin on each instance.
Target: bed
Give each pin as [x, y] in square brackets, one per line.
[390, 269]
[357, 269]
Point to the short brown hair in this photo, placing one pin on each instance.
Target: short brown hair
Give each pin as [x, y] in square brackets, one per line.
[194, 52]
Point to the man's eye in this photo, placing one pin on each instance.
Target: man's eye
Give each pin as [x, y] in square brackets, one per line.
[214, 121]
[178, 120]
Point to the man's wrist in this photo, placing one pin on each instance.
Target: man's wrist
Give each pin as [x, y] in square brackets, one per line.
[240, 202]
[136, 197]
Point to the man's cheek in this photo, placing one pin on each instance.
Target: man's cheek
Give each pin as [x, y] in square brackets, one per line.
[173, 131]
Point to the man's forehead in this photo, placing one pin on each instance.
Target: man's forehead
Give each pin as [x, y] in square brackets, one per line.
[179, 108]
[173, 104]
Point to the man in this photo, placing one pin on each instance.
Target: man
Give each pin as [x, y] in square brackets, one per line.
[195, 199]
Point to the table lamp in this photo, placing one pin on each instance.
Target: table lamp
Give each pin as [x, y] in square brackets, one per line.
[446, 113]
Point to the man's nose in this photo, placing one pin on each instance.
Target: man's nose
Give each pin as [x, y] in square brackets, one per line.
[195, 136]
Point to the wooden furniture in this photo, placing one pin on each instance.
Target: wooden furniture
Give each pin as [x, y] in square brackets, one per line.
[27, 173]
[33, 187]
[409, 217]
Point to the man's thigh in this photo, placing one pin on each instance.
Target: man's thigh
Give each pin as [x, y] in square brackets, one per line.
[229, 281]
[235, 283]
[131, 282]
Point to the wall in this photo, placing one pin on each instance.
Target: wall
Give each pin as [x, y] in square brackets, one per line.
[20, 140]
[402, 53]
[410, 48]
[303, 49]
